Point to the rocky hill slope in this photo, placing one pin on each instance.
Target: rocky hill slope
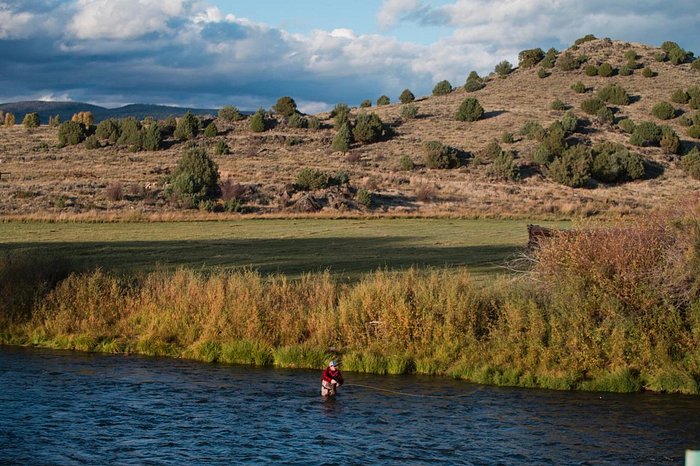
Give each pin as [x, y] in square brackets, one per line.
[261, 169]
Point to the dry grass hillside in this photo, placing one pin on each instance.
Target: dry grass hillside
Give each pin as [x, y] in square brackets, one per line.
[41, 179]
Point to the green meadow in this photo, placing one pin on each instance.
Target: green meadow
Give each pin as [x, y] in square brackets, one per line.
[347, 248]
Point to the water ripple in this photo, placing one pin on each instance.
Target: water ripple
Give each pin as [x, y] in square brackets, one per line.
[71, 408]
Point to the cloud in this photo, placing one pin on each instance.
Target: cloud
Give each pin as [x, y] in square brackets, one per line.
[192, 53]
[123, 19]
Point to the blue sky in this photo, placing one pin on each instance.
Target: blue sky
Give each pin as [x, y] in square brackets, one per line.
[210, 53]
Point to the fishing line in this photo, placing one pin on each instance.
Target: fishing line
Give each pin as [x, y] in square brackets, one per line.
[416, 395]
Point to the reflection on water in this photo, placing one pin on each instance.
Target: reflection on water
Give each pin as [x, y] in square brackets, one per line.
[67, 408]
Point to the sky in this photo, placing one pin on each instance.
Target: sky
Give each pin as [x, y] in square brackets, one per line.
[210, 53]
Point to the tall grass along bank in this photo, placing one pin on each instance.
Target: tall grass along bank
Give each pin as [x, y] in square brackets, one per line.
[614, 309]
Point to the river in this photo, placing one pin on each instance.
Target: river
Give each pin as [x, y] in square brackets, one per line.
[61, 407]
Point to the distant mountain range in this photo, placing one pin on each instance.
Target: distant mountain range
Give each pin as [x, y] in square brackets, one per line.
[67, 109]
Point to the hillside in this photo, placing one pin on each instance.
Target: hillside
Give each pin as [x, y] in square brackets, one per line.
[46, 180]
[67, 109]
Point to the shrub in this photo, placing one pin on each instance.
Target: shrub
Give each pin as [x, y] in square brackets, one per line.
[558, 105]
[84, 118]
[573, 168]
[648, 72]
[542, 73]
[690, 163]
[340, 115]
[187, 127]
[660, 56]
[310, 179]
[31, 120]
[474, 82]
[406, 163]
[696, 64]
[605, 115]
[70, 133]
[531, 57]
[91, 142]
[442, 88]
[693, 103]
[130, 133]
[614, 94]
[549, 59]
[614, 163]
[383, 100]
[169, 125]
[631, 55]
[669, 142]
[646, 133]
[567, 62]
[504, 166]
[542, 155]
[9, 120]
[677, 56]
[196, 176]
[684, 120]
[438, 155]
[153, 137]
[507, 138]
[469, 110]
[605, 70]
[285, 106]
[54, 121]
[668, 45]
[579, 87]
[590, 70]
[409, 111]
[406, 96]
[693, 132]
[230, 113]
[586, 38]
[492, 150]
[679, 96]
[222, 148]
[663, 111]
[569, 122]
[625, 70]
[297, 121]
[554, 138]
[108, 130]
[531, 129]
[364, 197]
[313, 122]
[626, 125]
[343, 138]
[114, 191]
[592, 105]
[367, 103]
[369, 128]
[694, 92]
[258, 122]
[503, 69]
[211, 130]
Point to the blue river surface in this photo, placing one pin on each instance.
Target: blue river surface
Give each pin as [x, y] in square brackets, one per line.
[59, 407]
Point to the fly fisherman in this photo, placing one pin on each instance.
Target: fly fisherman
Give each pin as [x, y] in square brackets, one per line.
[331, 379]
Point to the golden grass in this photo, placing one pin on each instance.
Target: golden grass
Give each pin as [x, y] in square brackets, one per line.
[594, 314]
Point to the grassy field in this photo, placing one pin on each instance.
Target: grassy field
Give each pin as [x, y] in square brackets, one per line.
[292, 247]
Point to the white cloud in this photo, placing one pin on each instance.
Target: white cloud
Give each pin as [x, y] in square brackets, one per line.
[123, 19]
[393, 10]
[14, 25]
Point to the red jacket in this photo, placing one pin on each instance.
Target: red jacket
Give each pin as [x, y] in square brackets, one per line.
[329, 375]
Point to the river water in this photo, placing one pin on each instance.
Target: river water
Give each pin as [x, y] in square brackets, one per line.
[74, 408]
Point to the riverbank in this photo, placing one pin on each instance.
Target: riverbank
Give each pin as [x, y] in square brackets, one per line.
[613, 309]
